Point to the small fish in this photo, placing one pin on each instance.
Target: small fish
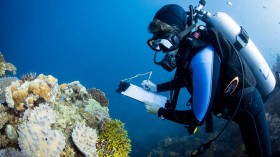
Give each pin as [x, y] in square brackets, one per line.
[229, 3]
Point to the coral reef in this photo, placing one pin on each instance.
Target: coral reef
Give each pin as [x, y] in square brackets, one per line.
[229, 144]
[11, 132]
[85, 139]
[99, 96]
[274, 129]
[113, 141]
[10, 152]
[4, 66]
[3, 141]
[23, 95]
[5, 82]
[94, 108]
[28, 77]
[39, 117]
[36, 138]
[4, 116]
[73, 92]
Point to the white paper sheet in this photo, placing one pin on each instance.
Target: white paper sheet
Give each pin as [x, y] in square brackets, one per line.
[142, 95]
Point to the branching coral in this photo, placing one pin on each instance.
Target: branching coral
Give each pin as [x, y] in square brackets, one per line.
[114, 141]
[99, 96]
[28, 77]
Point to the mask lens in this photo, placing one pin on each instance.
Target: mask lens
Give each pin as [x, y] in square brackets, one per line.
[164, 44]
[154, 44]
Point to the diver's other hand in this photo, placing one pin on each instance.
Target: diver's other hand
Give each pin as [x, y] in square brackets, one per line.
[149, 86]
[151, 107]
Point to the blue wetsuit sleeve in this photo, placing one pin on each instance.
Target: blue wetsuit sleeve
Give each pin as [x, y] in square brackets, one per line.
[205, 67]
[202, 72]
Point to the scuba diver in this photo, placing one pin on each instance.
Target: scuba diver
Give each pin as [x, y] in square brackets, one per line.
[218, 79]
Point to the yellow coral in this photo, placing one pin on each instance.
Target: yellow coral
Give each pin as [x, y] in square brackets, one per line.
[41, 89]
[41, 77]
[114, 141]
[19, 97]
[62, 86]
[51, 80]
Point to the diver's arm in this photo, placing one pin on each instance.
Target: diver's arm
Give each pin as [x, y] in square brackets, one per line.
[202, 75]
[169, 86]
[164, 86]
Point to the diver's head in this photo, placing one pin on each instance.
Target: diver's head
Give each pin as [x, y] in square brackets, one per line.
[168, 22]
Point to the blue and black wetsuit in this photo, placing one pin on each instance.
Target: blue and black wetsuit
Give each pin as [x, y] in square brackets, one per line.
[208, 73]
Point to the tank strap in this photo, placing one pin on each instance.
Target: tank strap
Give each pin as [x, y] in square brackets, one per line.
[242, 39]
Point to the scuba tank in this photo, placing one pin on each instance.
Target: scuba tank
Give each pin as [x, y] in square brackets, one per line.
[244, 45]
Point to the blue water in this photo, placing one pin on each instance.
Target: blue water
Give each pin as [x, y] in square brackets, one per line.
[101, 42]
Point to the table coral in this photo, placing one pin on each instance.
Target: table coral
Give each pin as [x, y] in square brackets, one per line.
[36, 138]
[85, 139]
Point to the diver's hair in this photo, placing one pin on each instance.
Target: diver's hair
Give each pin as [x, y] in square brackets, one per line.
[156, 26]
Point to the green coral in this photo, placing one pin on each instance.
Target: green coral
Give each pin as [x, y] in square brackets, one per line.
[114, 141]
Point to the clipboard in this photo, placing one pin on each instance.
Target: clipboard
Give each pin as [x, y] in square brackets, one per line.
[139, 94]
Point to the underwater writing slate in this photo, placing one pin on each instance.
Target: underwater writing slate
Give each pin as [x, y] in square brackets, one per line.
[141, 95]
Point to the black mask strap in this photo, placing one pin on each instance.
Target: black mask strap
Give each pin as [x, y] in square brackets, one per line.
[186, 31]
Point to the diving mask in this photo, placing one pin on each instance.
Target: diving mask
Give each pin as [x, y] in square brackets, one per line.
[164, 43]
[168, 62]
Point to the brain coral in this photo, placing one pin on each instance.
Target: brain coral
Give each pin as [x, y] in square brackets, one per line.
[85, 139]
[36, 138]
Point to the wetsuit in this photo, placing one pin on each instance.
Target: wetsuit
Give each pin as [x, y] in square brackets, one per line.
[208, 72]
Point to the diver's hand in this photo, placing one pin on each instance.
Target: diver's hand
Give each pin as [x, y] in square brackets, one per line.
[149, 86]
[152, 107]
